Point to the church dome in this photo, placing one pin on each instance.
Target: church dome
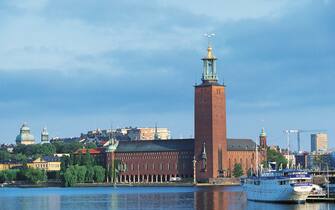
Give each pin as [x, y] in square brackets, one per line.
[25, 137]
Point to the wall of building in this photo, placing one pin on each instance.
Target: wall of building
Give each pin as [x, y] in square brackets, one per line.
[155, 166]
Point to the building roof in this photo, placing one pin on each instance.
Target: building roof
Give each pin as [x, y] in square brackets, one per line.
[241, 145]
[179, 145]
[91, 151]
[156, 145]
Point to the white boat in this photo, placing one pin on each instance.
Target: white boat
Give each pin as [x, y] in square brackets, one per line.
[288, 186]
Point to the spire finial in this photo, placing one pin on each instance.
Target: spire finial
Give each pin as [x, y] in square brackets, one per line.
[209, 36]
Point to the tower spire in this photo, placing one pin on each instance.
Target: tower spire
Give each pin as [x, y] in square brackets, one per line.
[209, 74]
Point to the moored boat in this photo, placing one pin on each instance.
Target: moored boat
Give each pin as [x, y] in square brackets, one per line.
[288, 186]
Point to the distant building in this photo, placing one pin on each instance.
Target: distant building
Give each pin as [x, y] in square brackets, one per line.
[9, 165]
[148, 134]
[25, 137]
[45, 163]
[321, 161]
[301, 160]
[319, 142]
[44, 136]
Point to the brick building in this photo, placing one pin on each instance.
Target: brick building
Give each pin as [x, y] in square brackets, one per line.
[209, 156]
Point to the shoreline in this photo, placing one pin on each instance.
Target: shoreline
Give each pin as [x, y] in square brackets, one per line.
[185, 184]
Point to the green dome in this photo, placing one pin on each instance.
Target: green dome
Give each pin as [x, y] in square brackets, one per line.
[25, 137]
[263, 134]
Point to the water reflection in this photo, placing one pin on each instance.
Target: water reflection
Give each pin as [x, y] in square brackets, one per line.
[186, 198]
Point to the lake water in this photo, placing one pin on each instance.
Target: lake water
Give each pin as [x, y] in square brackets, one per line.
[153, 198]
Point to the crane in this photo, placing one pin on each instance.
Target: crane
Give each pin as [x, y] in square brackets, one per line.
[298, 131]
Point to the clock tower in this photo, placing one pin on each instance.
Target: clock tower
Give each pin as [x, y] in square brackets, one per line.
[210, 148]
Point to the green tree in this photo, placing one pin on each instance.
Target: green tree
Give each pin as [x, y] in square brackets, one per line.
[237, 172]
[87, 159]
[3, 176]
[99, 173]
[70, 176]
[5, 155]
[274, 156]
[20, 158]
[90, 145]
[11, 175]
[81, 173]
[47, 149]
[89, 177]
[35, 176]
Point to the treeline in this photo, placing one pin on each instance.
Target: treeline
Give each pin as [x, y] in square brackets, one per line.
[30, 175]
[22, 153]
[81, 174]
[80, 169]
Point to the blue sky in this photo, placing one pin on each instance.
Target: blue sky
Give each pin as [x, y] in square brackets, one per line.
[77, 65]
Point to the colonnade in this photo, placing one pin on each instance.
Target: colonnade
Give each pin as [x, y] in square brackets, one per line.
[146, 178]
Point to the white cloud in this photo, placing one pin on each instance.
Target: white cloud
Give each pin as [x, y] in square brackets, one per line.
[234, 10]
[28, 5]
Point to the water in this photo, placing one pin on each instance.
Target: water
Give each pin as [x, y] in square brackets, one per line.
[153, 198]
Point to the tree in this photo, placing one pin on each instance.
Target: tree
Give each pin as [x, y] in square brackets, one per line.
[35, 176]
[47, 149]
[20, 158]
[4, 155]
[99, 173]
[81, 173]
[89, 177]
[274, 156]
[90, 145]
[10, 175]
[87, 159]
[70, 177]
[237, 172]
[3, 176]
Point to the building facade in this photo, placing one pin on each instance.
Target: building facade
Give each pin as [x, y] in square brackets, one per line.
[136, 134]
[319, 142]
[45, 163]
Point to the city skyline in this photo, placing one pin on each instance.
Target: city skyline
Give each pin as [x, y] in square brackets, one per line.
[74, 71]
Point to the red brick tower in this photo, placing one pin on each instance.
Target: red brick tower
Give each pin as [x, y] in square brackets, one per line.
[210, 148]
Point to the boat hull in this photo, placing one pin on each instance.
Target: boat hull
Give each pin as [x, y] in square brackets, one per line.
[282, 194]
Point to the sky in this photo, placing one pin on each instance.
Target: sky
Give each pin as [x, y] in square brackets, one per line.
[74, 66]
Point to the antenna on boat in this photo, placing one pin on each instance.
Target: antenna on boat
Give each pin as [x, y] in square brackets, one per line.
[256, 160]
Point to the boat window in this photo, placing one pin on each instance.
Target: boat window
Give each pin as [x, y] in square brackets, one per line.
[282, 182]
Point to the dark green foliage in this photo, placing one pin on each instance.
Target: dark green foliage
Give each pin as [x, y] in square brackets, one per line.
[99, 173]
[70, 176]
[5, 155]
[35, 176]
[21, 158]
[70, 147]
[90, 145]
[87, 159]
[3, 176]
[35, 150]
[53, 175]
[81, 173]
[8, 175]
[274, 156]
[89, 177]
[237, 172]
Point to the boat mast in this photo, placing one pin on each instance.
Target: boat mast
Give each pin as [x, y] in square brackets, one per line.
[256, 161]
[288, 149]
